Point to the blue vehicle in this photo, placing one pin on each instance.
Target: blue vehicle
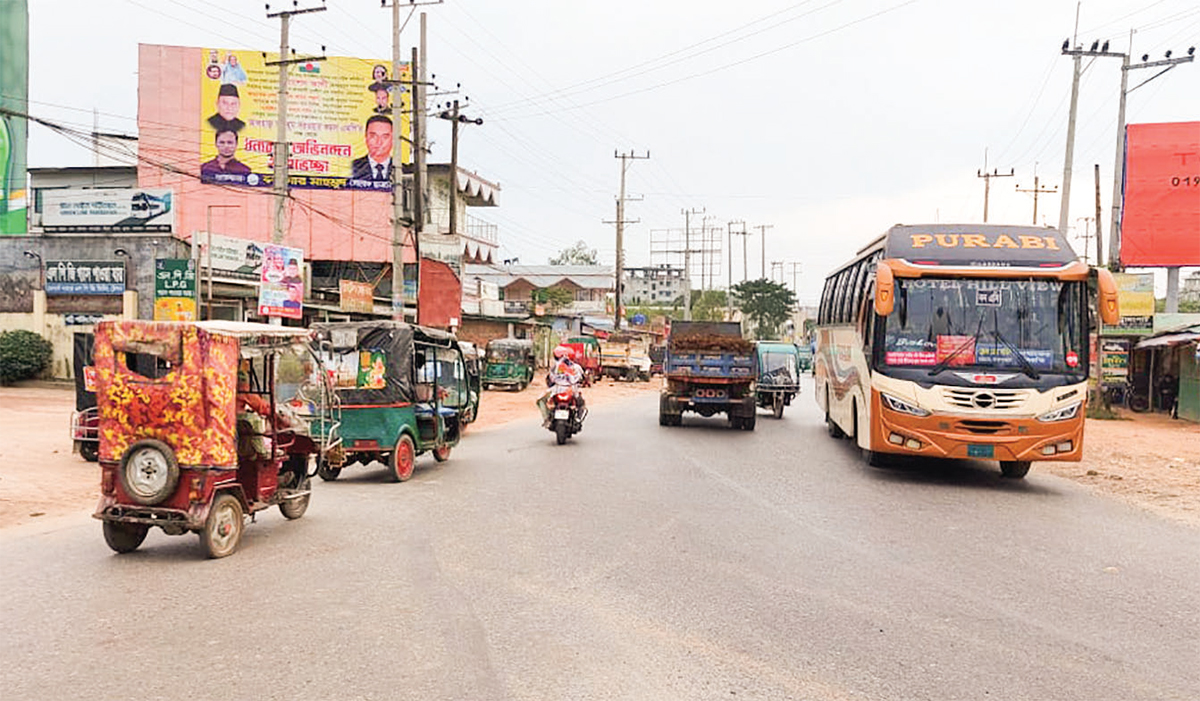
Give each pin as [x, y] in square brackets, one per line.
[710, 369]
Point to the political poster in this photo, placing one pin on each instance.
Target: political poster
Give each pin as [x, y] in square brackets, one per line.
[281, 287]
[339, 120]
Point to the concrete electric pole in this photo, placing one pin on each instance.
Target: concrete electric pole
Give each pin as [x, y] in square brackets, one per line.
[619, 281]
[1037, 190]
[762, 232]
[987, 182]
[687, 261]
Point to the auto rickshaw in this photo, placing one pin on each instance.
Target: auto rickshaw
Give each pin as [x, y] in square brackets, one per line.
[85, 420]
[778, 375]
[202, 423]
[403, 391]
[509, 363]
[473, 358]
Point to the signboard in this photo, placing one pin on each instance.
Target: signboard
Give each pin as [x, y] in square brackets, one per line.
[1135, 298]
[281, 286]
[1161, 195]
[1114, 360]
[107, 210]
[82, 320]
[979, 245]
[234, 257]
[85, 277]
[339, 120]
[14, 95]
[357, 296]
[174, 289]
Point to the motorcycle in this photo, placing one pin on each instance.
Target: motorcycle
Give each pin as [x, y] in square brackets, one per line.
[566, 415]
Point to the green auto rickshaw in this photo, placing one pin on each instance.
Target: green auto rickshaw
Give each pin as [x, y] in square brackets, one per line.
[778, 375]
[403, 390]
[509, 363]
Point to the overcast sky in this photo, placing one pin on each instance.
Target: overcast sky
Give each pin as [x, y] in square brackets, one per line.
[828, 120]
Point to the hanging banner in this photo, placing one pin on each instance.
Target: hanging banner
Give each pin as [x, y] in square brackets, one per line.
[281, 287]
[339, 120]
[174, 289]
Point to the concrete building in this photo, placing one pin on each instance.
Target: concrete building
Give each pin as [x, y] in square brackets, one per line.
[661, 284]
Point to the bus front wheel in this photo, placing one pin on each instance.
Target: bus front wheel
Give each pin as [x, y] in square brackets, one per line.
[1014, 469]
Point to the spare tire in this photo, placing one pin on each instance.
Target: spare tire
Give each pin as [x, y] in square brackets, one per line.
[149, 472]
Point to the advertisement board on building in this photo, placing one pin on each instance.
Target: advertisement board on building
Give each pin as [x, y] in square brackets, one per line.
[14, 94]
[339, 120]
[1161, 212]
[1114, 360]
[174, 289]
[78, 209]
[85, 277]
[281, 286]
[1135, 297]
[234, 257]
[356, 296]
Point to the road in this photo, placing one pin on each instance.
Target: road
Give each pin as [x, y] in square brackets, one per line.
[636, 562]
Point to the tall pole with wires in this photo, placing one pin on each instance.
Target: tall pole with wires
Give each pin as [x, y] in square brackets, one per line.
[762, 232]
[619, 280]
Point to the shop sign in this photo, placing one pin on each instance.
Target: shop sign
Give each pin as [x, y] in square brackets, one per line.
[80, 277]
[174, 289]
[1114, 360]
[122, 209]
[82, 319]
[357, 296]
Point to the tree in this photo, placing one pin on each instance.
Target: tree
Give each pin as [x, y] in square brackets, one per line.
[553, 297]
[767, 303]
[708, 305]
[23, 354]
[579, 254]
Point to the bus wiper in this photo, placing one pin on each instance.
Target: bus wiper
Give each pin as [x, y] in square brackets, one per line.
[1026, 366]
[945, 362]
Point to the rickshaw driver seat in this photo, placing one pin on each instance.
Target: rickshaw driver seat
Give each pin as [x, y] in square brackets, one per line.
[252, 412]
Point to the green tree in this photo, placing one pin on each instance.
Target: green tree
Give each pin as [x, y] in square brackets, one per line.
[579, 254]
[766, 303]
[23, 354]
[553, 297]
[709, 305]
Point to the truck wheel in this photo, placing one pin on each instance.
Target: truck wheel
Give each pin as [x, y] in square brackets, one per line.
[1014, 469]
[749, 421]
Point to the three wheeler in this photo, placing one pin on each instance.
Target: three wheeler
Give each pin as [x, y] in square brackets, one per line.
[509, 362]
[778, 375]
[403, 390]
[85, 420]
[473, 358]
[202, 423]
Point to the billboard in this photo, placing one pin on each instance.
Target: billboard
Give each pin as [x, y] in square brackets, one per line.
[1135, 298]
[1161, 213]
[281, 288]
[339, 120]
[234, 257]
[14, 95]
[108, 210]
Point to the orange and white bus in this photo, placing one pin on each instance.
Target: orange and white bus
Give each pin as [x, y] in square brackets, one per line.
[960, 341]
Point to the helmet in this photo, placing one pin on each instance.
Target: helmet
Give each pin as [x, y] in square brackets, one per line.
[561, 352]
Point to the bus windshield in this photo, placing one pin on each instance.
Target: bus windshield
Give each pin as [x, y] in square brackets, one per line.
[1030, 326]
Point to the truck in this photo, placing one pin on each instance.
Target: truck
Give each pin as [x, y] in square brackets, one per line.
[625, 357]
[709, 369]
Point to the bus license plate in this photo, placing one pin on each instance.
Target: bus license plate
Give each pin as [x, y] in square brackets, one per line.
[976, 450]
[562, 414]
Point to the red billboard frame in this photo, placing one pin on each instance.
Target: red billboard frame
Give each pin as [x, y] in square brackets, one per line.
[1160, 224]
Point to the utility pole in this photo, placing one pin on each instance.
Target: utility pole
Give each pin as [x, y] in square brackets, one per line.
[1036, 191]
[687, 261]
[626, 161]
[762, 231]
[987, 182]
[729, 291]
[455, 119]
[1099, 228]
[744, 234]
[1114, 241]
[1087, 237]
[796, 267]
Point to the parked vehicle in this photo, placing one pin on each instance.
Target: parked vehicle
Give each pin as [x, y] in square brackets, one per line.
[85, 420]
[202, 423]
[778, 375]
[710, 369]
[510, 363]
[587, 354]
[473, 359]
[404, 390]
[625, 358]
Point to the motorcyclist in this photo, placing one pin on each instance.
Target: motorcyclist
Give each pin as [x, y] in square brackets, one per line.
[564, 375]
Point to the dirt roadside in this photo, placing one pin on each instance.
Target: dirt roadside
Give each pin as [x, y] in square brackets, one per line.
[1147, 460]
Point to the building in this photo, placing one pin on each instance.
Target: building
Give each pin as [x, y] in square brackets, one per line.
[662, 284]
[589, 286]
[1190, 290]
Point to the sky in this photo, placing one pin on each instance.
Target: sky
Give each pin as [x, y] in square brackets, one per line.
[823, 121]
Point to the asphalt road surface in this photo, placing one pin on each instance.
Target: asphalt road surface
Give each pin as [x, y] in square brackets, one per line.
[636, 562]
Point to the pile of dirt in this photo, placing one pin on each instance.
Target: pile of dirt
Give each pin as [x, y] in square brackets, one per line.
[711, 343]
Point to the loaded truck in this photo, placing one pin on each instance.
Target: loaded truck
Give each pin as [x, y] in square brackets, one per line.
[709, 369]
[624, 357]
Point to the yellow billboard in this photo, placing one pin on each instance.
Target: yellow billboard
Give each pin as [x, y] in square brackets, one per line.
[339, 114]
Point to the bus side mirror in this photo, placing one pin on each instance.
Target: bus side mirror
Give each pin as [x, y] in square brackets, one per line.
[885, 289]
[1110, 311]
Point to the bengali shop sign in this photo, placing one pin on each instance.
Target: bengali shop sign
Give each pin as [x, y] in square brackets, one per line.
[174, 289]
[357, 296]
[339, 121]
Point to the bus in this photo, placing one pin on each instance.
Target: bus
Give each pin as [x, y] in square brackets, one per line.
[960, 341]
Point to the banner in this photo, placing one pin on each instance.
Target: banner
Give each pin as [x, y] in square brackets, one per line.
[357, 296]
[339, 120]
[14, 94]
[1114, 360]
[1135, 298]
[281, 288]
[1161, 194]
[235, 257]
[174, 289]
[85, 277]
[108, 210]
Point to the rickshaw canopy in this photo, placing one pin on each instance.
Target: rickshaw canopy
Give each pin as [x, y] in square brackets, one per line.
[383, 357]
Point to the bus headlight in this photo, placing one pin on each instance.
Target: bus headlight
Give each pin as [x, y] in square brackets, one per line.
[1068, 412]
[902, 406]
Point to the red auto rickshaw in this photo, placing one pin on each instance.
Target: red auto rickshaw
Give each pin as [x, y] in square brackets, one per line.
[201, 423]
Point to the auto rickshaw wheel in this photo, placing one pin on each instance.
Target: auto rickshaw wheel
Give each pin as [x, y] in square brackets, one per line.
[223, 527]
[441, 453]
[403, 460]
[294, 508]
[124, 537]
[326, 471]
[89, 450]
[777, 409]
[149, 472]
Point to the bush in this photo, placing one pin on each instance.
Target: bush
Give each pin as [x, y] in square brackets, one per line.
[23, 354]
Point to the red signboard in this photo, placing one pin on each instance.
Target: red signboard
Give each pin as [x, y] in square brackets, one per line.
[1161, 222]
